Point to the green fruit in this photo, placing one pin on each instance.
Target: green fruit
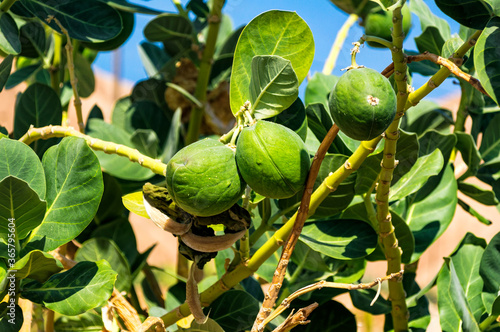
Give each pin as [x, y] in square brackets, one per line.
[363, 104]
[272, 159]
[379, 24]
[203, 178]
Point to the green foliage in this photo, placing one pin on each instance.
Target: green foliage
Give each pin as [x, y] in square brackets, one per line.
[59, 191]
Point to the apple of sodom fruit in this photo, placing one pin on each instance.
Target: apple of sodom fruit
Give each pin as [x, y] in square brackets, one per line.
[203, 178]
[363, 103]
[380, 24]
[272, 159]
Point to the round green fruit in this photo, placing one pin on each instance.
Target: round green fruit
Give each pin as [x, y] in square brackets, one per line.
[379, 24]
[272, 159]
[363, 104]
[203, 178]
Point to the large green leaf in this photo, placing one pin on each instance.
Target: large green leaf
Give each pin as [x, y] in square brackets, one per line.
[86, 80]
[483, 196]
[21, 210]
[146, 141]
[427, 18]
[486, 58]
[17, 159]
[294, 117]
[33, 39]
[9, 35]
[38, 106]
[430, 215]
[21, 75]
[234, 310]
[272, 33]
[489, 268]
[74, 190]
[37, 265]
[13, 322]
[99, 248]
[131, 7]
[412, 181]
[466, 263]
[83, 287]
[472, 14]
[469, 152]
[362, 299]
[5, 68]
[169, 27]
[460, 300]
[89, 20]
[430, 41]
[273, 85]
[406, 153]
[341, 238]
[173, 139]
[318, 88]
[113, 164]
[490, 144]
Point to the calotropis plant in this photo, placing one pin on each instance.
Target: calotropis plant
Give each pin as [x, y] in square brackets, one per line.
[261, 186]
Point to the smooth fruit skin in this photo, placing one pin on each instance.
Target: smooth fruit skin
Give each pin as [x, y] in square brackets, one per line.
[363, 104]
[272, 159]
[380, 24]
[203, 178]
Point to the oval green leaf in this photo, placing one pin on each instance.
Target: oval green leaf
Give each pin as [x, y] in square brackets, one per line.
[85, 286]
[486, 58]
[341, 238]
[37, 265]
[74, 188]
[38, 106]
[89, 20]
[5, 68]
[9, 35]
[274, 32]
[21, 210]
[17, 159]
[273, 85]
[99, 248]
[472, 14]
[234, 310]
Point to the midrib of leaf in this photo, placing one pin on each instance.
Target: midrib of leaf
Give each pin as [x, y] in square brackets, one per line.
[263, 91]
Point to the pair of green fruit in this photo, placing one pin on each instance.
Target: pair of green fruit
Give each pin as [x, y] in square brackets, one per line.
[208, 177]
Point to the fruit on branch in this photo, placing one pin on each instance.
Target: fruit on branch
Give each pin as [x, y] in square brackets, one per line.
[203, 178]
[363, 104]
[272, 159]
[379, 24]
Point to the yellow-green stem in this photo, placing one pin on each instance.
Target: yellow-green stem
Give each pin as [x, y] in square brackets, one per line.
[462, 114]
[6, 4]
[204, 73]
[387, 235]
[133, 155]
[242, 271]
[378, 40]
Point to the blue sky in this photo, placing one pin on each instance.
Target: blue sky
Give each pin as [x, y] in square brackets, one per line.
[323, 18]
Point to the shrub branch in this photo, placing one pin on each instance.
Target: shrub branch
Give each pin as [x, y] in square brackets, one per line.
[73, 79]
[452, 67]
[200, 93]
[133, 155]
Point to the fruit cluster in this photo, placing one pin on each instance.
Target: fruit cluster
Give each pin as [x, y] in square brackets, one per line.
[206, 178]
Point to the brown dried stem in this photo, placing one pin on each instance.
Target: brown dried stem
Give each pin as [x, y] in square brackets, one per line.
[152, 322]
[298, 318]
[279, 274]
[73, 79]
[452, 67]
[322, 284]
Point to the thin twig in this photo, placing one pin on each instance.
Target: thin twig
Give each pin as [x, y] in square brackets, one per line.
[322, 284]
[303, 211]
[73, 79]
[152, 322]
[298, 318]
[452, 66]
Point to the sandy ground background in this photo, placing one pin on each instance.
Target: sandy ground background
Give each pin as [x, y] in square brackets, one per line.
[107, 91]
